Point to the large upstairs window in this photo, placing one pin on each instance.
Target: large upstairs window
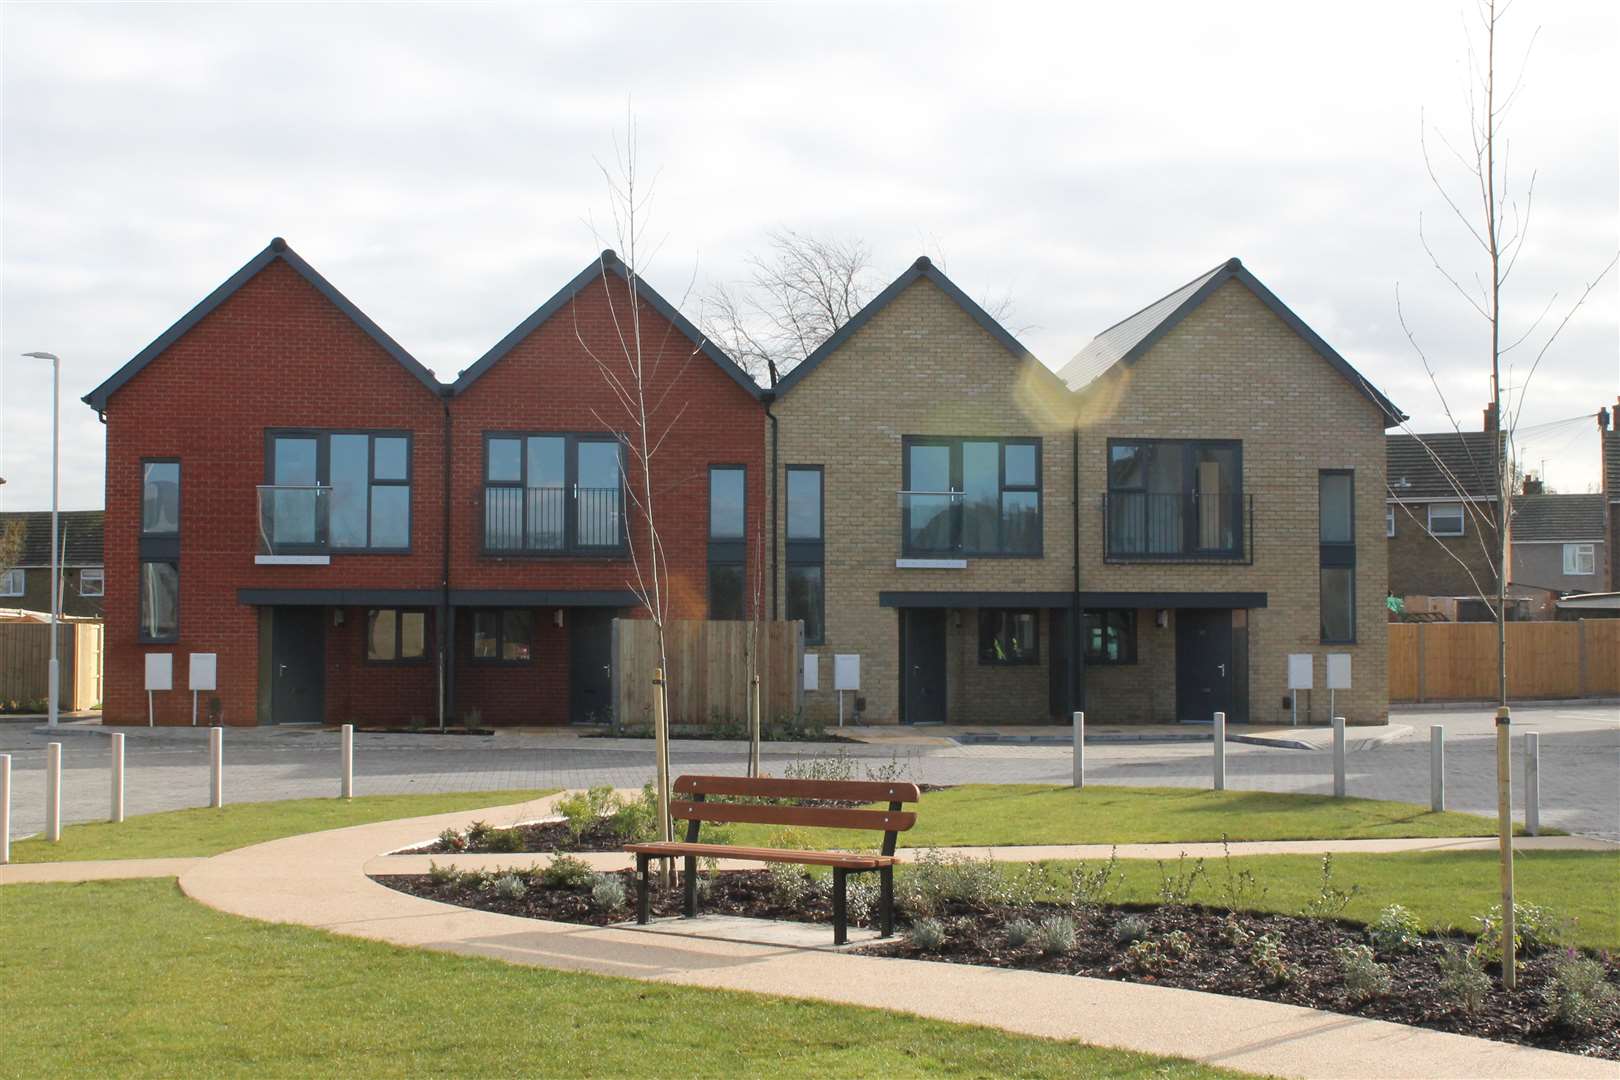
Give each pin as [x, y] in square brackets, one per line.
[1336, 529]
[553, 494]
[159, 550]
[336, 490]
[967, 496]
[728, 549]
[1175, 499]
[806, 551]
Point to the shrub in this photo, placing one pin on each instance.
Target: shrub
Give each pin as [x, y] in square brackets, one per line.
[1093, 888]
[477, 833]
[636, 819]
[607, 892]
[1462, 981]
[790, 885]
[510, 887]
[1177, 887]
[1235, 934]
[453, 840]
[504, 840]
[576, 814]
[1240, 889]
[441, 875]
[1023, 885]
[861, 896]
[889, 772]
[1054, 935]
[1364, 977]
[1130, 928]
[1018, 932]
[1267, 958]
[1330, 900]
[566, 872]
[1581, 998]
[927, 934]
[790, 838]
[938, 878]
[815, 767]
[1152, 956]
[1395, 931]
[1534, 928]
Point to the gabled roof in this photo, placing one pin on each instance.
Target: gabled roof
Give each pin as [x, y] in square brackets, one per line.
[1559, 517]
[277, 249]
[1125, 342]
[922, 268]
[607, 262]
[1437, 465]
[80, 532]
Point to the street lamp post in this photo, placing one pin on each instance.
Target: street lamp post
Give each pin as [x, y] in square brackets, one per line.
[56, 561]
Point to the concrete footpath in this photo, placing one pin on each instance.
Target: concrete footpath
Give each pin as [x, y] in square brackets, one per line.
[319, 880]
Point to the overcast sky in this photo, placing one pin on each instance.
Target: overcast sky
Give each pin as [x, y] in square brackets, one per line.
[437, 163]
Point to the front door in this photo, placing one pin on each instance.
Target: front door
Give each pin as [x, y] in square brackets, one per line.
[298, 665]
[590, 665]
[1204, 673]
[923, 665]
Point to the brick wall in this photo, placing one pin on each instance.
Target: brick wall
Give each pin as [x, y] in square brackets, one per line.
[1421, 564]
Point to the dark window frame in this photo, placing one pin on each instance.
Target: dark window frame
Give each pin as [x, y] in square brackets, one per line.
[953, 443]
[1128, 652]
[323, 478]
[179, 494]
[499, 659]
[1336, 555]
[571, 548]
[805, 553]
[399, 660]
[140, 602]
[1190, 550]
[729, 553]
[1031, 657]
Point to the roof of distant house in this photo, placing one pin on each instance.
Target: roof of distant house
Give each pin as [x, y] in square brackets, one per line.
[1440, 465]
[1558, 517]
[80, 536]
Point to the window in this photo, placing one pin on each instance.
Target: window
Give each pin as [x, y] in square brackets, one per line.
[1175, 498]
[92, 581]
[396, 637]
[1336, 514]
[503, 636]
[350, 491]
[160, 498]
[806, 573]
[1445, 519]
[1008, 637]
[971, 496]
[13, 582]
[727, 591]
[553, 494]
[1580, 559]
[160, 600]
[728, 515]
[1389, 519]
[1110, 636]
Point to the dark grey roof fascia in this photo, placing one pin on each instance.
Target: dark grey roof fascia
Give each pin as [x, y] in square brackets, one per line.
[1198, 600]
[599, 598]
[276, 249]
[339, 597]
[961, 599]
[607, 262]
[1233, 269]
[923, 267]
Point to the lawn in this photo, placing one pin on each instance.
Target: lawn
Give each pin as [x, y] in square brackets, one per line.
[130, 978]
[207, 831]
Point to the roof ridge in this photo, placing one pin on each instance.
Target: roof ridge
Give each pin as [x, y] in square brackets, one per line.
[1227, 265]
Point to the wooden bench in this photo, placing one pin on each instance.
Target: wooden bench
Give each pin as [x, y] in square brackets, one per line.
[691, 805]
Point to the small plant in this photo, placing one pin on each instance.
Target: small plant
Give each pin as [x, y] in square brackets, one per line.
[477, 833]
[1240, 889]
[928, 934]
[1054, 935]
[860, 898]
[1131, 928]
[509, 886]
[566, 872]
[636, 819]
[889, 772]
[441, 875]
[1364, 977]
[789, 838]
[1462, 981]
[1153, 956]
[1019, 932]
[1177, 887]
[1395, 931]
[415, 722]
[1090, 889]
[1580, 996]
[815, 767]
[1023, 885]
[504, 840]
[1235, 934]
[1534, 928]
[472, 719]
[607, 892]
[1266, 956]
[1330, 900]
[938, 878]
[790, 886]
[452, 840]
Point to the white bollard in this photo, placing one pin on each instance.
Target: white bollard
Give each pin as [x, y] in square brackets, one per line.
[347, 756]
[216, 767]
[1338, 756]
[1437, 767]
[1079, 749]
[1219, 736]
[5, 809]
[116, 812]
[53, 792]
[1532, 784]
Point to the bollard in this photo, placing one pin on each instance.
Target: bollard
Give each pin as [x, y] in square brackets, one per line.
[5, 809]
[1437, 766]
[53, 792]
[1220, 751]
[1079, 749]
[216, 767]
[347, 756]
[1532, 784]
[1338, 756]
[116, 811]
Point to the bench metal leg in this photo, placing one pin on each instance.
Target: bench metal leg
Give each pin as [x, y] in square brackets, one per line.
[642, 914]
[689, 900]
[886, 900]
[840, 909]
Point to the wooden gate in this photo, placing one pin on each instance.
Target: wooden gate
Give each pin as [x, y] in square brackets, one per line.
[708, 671]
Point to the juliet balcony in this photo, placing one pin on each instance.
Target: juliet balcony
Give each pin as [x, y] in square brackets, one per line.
[945, 528]
[294, 524]
[1193, 527]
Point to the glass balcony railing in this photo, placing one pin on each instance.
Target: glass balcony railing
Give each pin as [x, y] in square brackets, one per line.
[1147, 526]
[954, 524]
[293, 519]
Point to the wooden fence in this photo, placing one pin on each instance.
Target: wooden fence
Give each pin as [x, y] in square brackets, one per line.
[1457, 661]
[25, 663]
[707, 676]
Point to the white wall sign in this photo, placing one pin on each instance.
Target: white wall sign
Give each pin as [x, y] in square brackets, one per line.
[1338, 671]
[847, 671]
[159, 671]
[812, 671]
[201, 670]
[1300, 674]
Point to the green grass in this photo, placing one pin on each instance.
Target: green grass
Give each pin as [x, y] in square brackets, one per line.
[205, 831]
[996, 815]
[129, 978]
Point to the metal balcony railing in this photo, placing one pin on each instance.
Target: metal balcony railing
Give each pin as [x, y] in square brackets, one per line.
[293, 519]
[951, 524]
[1150, 526]
[552, 518]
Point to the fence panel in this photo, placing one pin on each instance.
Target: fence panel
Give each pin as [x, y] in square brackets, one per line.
[1545, 660]
[1602, 656]
[25, 663]
[707, 674]
[1403, 667]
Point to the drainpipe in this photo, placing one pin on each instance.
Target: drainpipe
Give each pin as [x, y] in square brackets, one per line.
[1077, 652]
[776, 483]
[446, 672]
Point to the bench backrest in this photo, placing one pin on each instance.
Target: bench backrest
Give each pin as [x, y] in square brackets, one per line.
[691, 804]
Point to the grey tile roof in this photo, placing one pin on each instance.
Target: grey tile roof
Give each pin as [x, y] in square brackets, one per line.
[80, 536]
[1558, 517]
[1108, 347]
[1436, 465]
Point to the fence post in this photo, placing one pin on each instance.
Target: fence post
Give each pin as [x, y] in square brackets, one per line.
[346, 754]
[116, 810]
[53, 792]
[1079, 749]
[1420, 671]
[1532, 784]
[216, 767]
[1220, 751]
[1437, 767]
[5, 809]
[1338, 756]
[1580, 638]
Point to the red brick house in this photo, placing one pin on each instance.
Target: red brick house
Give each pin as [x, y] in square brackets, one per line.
[289, 489]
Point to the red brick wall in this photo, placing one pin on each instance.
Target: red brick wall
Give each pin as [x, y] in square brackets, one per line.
[360, 692]
[275, 354]
[531, 693]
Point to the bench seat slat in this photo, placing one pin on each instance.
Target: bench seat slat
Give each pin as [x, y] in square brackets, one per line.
[848, 860]
[823, 816]
[772, 787]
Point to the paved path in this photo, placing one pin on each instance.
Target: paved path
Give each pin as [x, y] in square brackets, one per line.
[318, 880]
[1580, 749]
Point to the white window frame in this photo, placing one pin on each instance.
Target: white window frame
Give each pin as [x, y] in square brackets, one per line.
[1462, 518]
[1389, 519]
[21, 579]
[1575, 555]
[97, 574]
